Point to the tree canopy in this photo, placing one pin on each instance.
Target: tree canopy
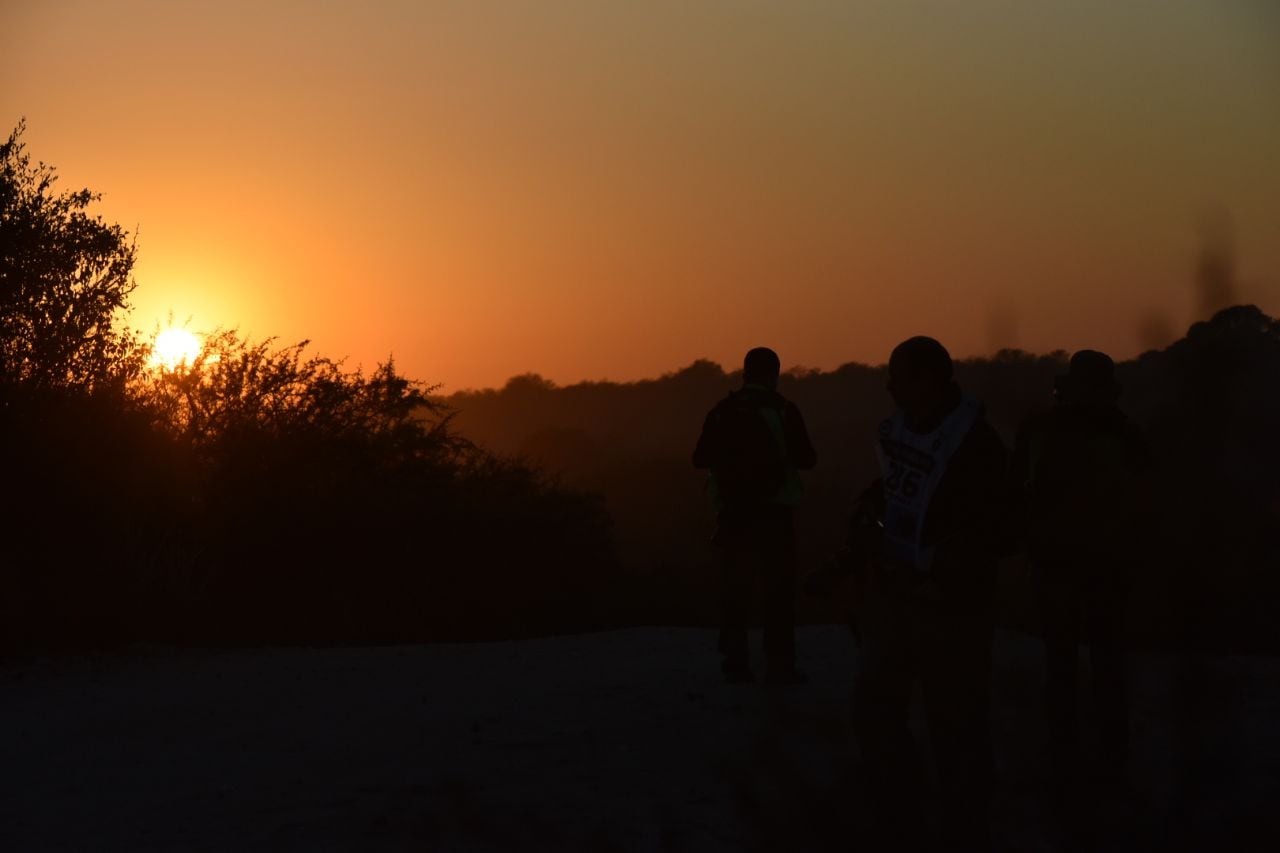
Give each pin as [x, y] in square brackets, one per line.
[64, 275]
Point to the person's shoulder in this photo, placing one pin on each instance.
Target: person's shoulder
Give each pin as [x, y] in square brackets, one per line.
[729, 400]
[983, 432]
[764, 398]
[773, 396]
[718, 410]
[789, 407]
[983, 438]
[1136, 443]
[1115, 422]
[887, 425]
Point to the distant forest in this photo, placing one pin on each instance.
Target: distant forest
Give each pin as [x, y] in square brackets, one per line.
[1208, 403]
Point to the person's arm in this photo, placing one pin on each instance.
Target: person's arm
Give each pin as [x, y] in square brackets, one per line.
[978, 505]
[800, 452]
[707, 450]
[866, 533]
[1138, 451]
[1017, 517]
[992, 496]
[1143, 498]
[871, 503]
[862, 545]
[1020, 459]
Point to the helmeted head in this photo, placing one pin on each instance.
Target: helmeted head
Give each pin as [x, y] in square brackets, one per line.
[920, 376]
[1090, 380]
[761, 367]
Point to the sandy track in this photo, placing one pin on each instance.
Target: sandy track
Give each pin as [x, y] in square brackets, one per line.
[615, 741]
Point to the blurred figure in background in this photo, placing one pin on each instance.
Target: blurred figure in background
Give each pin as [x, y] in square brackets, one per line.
[1078, 467]
[924, 540]
[754, 442]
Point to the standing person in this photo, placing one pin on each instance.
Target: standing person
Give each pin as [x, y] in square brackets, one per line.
[925, 612]
[1078, 467]
[754, 442]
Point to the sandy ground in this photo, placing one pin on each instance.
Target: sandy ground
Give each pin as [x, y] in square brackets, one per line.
[623, 740]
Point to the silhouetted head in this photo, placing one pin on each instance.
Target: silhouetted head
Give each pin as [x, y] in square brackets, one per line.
[1090, 380]
[761, 367]
[920, 377]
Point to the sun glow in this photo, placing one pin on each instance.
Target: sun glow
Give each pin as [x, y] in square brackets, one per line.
[174, 348]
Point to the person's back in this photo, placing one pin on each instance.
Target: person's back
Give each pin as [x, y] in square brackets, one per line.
[753, 442]
[1080, 464]
[1079, 468]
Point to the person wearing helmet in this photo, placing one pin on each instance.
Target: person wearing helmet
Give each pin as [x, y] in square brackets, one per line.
[925, 611]
[754, 442]
[1078, 468]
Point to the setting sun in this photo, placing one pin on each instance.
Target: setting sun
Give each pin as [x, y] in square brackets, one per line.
[174, 347]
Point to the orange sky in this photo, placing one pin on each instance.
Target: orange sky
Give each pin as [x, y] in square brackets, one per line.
[612, 189]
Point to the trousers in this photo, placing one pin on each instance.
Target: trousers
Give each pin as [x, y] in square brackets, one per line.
[944, 645]
[1079, 601]
[758, 549]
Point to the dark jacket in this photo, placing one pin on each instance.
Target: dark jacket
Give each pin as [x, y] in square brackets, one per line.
[965, 519]
[1076, 473]
[715, 442]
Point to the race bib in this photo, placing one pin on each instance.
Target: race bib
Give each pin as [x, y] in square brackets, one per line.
[912, 466]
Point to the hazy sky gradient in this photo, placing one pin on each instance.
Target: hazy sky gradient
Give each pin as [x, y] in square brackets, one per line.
[611, 190]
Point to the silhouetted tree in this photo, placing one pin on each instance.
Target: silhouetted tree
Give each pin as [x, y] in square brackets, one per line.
[237, 388]
[64, 275]
[74, 469]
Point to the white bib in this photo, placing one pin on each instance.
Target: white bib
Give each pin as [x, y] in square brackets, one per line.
[912, 466]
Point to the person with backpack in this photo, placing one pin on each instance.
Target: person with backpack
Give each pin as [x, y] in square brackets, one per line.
[924, 543]
[1078, 468]
[754, 443]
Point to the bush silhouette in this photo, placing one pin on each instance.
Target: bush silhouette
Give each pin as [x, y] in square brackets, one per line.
[257, 495]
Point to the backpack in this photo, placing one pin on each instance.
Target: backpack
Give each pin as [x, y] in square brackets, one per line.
[752, 463]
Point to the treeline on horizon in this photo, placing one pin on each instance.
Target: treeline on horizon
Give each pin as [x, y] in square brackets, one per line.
[1208, 403]
[265, 495]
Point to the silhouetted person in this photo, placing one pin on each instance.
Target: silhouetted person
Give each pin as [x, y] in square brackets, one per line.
[925, 613]
[754, 441]
[1078, 467]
